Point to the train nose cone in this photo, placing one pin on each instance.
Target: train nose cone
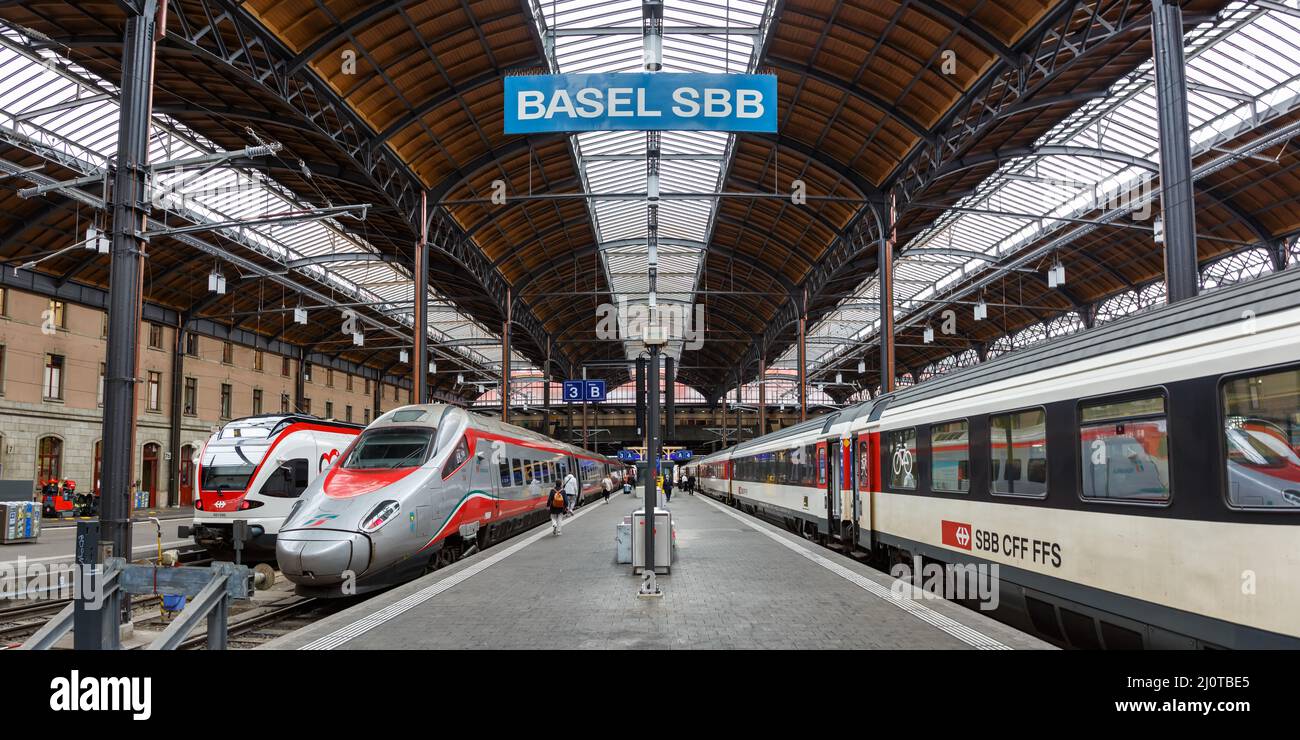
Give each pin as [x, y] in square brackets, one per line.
[322, 558]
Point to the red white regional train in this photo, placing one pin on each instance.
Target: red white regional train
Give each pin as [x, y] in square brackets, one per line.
[254, 469]
[422, 486]
[1137, 484]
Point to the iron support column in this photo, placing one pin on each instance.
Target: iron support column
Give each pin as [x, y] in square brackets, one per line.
[174, 416]
[1177, 206]
[762, 395]
[803, 357]
[130, 208]
[420, 353]
[505, 360]
[887, 304]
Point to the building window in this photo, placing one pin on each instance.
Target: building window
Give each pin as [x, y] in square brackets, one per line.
[190, 400]
[284, 403]
[49, 459]
[365, 415]
[1125, 448]
[329, 409]
[349, 382]
[1018, 453]
[192, 345]
[259, 362]
[284, 367]
[2, 369]
[99, 393]
[257, 401]
[227, 353]
[902, 458]
[226, 394]
[1261, 426]
[367, 385]
[153, 399]
[347, 414]
[155, 336]
[306, 372]
[329, 378]
[53, 386]
[103, 325]
[950, 457]
[396, 393]
[58, 314]
[306, 405]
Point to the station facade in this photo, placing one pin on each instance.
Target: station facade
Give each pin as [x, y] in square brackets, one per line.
[51, 395]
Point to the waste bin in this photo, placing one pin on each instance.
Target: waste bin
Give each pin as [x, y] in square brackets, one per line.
[623, 541]
[663, 541]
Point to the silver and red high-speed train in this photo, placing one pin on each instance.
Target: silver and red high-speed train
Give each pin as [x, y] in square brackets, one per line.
[421, 486]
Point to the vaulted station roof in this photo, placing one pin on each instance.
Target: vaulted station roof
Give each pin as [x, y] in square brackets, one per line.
[937, 102]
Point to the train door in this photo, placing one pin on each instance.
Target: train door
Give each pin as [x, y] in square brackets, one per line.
[826, 480]
[487, 474]
[845, 490]
[868, 453]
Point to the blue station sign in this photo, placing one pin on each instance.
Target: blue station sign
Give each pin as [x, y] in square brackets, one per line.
[580, 391]
[640, 101]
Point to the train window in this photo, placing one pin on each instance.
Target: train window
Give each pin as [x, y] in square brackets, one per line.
[1261, 427]
[950, 457]
[457, 458]
[287, 481]
[1019, 453]
[518, 470]
[1125, 450]
[390, 447]
[902, 457]
[503, 467]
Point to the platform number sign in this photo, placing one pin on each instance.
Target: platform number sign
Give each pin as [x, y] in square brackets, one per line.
[573, 391]
[579, 391]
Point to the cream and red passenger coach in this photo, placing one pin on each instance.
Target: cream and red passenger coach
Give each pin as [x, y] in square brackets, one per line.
[1137, 484]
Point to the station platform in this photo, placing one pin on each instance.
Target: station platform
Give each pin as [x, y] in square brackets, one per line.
[736, 582]
[164, 513]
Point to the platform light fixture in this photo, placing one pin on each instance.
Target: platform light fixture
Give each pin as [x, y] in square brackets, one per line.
[862, 366]
[981, 310]
[433, 366]
[928, 335]
[403, 356]
[460, 378]
[358, 339]
[96, 241]
[839, 378]
[216, 282]
[300, 316]
[1056, 275]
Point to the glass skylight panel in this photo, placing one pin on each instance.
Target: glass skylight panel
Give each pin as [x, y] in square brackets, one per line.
[87, 135]
[685, 49]
[1248, 53]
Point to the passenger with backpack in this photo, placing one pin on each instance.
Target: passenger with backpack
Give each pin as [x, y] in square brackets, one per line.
[570, 492]
[556, 504]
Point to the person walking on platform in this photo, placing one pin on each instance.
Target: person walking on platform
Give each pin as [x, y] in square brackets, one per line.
[668, 488]
[606, 487]
[557, 504]
[570, 492]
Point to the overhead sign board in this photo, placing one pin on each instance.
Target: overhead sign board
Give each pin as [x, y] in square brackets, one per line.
[640, 101]
[578, 391]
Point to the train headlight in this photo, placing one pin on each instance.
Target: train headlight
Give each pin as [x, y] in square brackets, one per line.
[380, 515]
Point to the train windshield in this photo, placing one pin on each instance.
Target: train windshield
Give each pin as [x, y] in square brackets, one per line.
[391, 447]
[230, 467]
